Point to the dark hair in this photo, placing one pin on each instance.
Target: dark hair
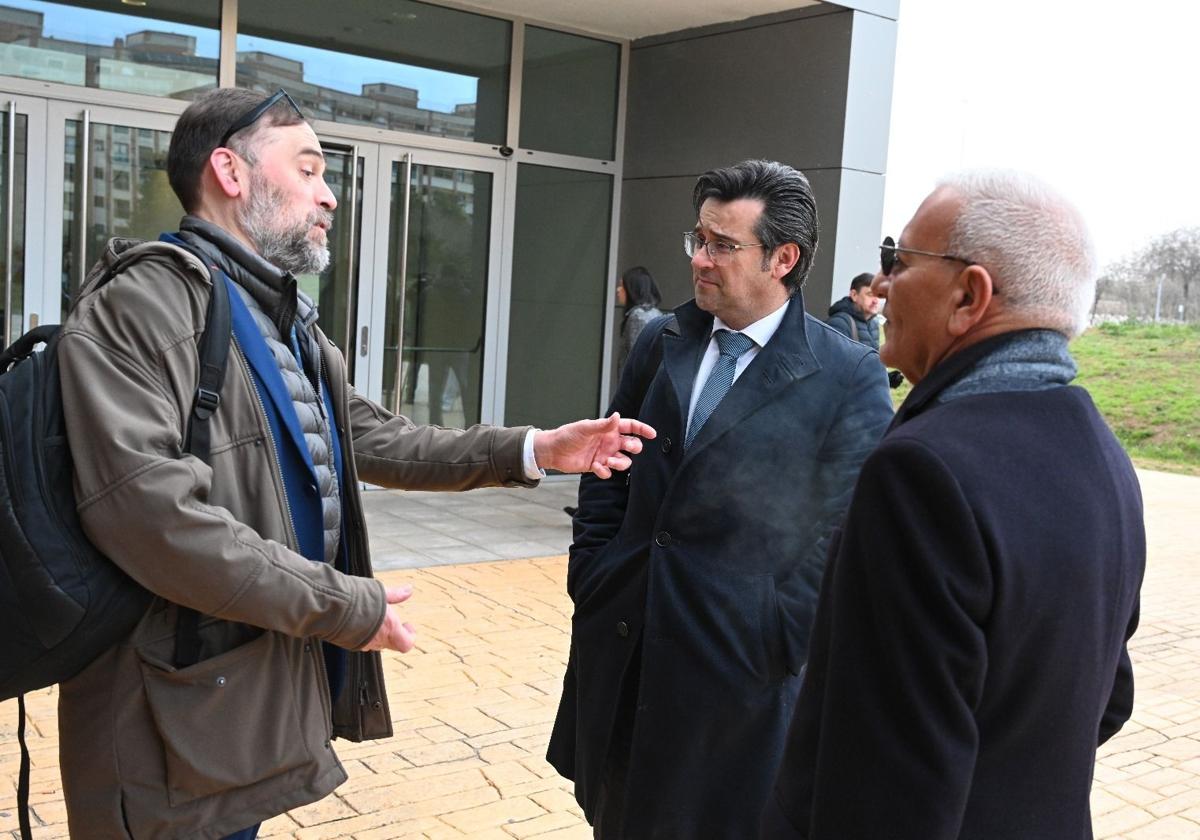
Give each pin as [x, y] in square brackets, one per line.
[639, 288]
[861, 280]
[200, 128]
[789, 209]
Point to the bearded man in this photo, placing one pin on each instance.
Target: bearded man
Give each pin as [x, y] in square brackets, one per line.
[266, 541]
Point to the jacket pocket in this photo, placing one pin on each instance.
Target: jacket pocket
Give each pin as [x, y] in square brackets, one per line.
[226, 722]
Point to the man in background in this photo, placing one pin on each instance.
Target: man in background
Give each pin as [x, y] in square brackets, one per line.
[854, 315]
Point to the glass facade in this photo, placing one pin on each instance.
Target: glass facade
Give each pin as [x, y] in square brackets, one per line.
[123, 192]
[559, 282]
[569, 94]
[336, 290]
[400, 65]
[444, 294]
[169, 48]
[432, 83]
[12, 258]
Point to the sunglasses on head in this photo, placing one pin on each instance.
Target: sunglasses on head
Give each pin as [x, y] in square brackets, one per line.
[255, 114]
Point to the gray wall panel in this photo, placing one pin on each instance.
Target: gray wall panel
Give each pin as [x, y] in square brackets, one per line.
[775, 91]
[858, 221]
[869, 93]
[656, 212]
[826, 184]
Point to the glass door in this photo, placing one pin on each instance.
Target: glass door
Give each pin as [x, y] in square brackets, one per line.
[438, 308]
[22, 129]
[107, 168]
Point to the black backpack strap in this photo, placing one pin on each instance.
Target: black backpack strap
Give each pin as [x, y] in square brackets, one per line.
[213, 349]
[23, 775]
[214, 352]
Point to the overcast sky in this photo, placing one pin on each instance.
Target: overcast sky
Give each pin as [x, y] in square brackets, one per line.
[1098, 98]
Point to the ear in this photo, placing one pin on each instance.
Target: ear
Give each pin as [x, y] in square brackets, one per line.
[785, 258]
[973, 293]
[226, 168]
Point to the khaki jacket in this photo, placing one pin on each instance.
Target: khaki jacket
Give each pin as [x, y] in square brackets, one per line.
[151, 751]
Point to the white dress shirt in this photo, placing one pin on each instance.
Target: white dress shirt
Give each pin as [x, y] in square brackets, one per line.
[760, 333]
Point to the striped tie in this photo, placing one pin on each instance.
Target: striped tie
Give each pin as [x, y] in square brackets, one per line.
[720, 380]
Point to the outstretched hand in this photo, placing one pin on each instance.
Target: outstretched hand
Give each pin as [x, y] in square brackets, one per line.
[597, 446]
[394, 634]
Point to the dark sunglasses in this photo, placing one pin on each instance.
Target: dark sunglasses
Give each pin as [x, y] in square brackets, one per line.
[889, 249]
[255, 114]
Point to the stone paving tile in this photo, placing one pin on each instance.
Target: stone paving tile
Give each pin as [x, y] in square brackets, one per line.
[473, 703]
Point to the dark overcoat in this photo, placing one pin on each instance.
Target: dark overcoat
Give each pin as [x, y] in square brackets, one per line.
[969, 651]
[708, 561]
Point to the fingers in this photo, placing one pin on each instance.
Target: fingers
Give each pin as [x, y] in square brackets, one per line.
[398, 594]
[601, 469]
[637, 427]
[405, 637]
[619, 462]
[632, 445]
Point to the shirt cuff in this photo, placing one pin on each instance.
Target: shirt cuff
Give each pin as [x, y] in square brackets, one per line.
[532, 471]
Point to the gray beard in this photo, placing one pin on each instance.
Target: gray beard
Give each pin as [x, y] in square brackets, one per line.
[287, 248]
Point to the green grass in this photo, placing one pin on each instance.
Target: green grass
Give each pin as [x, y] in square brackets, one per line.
[1145, 379]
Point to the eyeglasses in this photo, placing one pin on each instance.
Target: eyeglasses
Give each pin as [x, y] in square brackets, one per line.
[719, 252]
[255, 114]
[888, 251]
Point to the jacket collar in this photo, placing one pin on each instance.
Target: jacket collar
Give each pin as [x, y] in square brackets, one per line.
[272, 288]
[785, 359]
[946, 373]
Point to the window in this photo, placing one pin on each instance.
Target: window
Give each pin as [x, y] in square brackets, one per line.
[556, 320]
[402, 65]
[569, 94]
[169, 49]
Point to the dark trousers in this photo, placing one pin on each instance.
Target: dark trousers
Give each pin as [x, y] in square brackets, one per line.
[245, 834]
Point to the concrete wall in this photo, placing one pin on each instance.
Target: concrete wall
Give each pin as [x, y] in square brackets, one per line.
[811, 88]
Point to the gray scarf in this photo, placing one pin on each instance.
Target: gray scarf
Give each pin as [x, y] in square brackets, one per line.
[1034, 360]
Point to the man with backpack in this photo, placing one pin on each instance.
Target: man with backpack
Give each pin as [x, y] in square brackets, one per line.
[210, 732]
[854, 315]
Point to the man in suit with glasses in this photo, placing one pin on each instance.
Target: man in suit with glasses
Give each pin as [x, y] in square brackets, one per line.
[695, 580]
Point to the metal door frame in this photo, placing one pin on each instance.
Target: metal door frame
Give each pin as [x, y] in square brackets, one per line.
[34, 111]
[373, 306]
[58, 113]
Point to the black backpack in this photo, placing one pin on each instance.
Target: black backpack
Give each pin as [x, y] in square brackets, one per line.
[63, 603]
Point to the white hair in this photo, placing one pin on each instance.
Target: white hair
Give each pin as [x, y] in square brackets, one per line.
[1033, 242]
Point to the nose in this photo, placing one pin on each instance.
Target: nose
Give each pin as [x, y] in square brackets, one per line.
[879, 284]
[326, 198]
[701, 259]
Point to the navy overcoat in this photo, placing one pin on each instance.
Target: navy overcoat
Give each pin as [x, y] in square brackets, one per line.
[708, 561]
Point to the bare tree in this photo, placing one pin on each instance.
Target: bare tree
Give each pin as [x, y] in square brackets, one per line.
[1131, 287]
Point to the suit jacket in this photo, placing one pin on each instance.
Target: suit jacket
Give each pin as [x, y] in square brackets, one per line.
[708, 562]
[969, 648]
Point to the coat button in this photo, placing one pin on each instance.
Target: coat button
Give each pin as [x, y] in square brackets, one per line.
[666, 445]
[221, 681]
[622, 629]
[662, 538]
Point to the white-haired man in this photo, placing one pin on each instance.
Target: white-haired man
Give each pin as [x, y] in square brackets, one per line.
[969, 647]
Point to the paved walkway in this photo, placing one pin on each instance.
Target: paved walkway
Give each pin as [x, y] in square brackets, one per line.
[474, 703]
